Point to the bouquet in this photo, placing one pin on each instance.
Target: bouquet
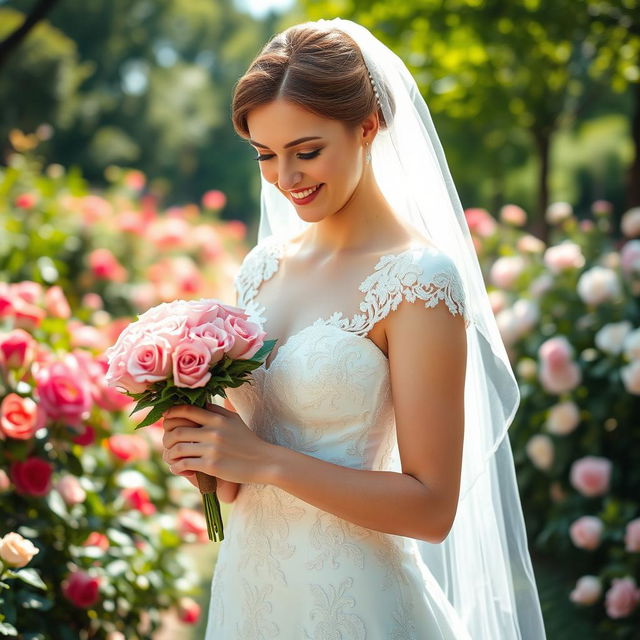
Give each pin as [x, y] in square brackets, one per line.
[186, 352]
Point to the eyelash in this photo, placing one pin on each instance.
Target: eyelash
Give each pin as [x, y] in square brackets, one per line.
[302, 156]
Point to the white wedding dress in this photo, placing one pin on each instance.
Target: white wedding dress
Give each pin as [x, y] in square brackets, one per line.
[289, 570]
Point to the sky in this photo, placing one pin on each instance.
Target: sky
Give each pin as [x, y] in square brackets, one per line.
[259, 8]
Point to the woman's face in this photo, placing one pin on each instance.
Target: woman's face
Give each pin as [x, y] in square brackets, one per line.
[299, 151]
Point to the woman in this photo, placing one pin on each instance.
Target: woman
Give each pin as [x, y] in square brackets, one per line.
[371, 474]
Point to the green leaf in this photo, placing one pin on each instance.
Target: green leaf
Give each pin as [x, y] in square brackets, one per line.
[156, 413]
[30, 577]
[8, 629]
[34, 601]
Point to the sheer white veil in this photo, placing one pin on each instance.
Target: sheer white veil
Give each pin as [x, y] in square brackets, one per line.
[483, 566]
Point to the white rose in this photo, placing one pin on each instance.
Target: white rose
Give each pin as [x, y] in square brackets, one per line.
[505, 271]
[631, 377]
[611, 337]
[587, 591]
[566, 255]
[558, 211]
[540, 451]
[631, 345]
[563, 418]
[598, 285]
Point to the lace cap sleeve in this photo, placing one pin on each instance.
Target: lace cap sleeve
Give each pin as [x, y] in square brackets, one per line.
[441, 280]
[421, 274]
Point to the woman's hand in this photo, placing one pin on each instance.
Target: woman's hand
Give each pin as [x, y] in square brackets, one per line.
[214, 441]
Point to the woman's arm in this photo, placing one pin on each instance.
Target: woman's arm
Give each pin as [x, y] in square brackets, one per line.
[427, 359]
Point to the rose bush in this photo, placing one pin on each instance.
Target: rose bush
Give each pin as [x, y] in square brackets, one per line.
[569, 315]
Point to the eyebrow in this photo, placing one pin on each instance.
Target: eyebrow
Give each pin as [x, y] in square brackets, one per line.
[293, 143]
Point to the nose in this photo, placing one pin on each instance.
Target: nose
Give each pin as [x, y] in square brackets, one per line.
[288, 176]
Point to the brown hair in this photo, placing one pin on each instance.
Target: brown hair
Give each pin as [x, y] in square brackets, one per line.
[319, 68]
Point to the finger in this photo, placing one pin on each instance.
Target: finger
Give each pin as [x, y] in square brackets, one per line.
[183, 450]
[191, 464]
[198, 415]
[216, 408]
[172, 423]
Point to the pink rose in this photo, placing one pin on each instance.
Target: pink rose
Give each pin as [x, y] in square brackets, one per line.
[27, 291]
[505, 271]
[63, 390]
[630, 258]
[587, 590]
[105, 266]
[26, 315]
[188, 610]
[591, 475]
[248, 337]
[32, 476]
[557, 373]
[170, 233]
[530, 244]
[598, 285]
[630, 375]
[56, 303]
[214, 199]
[128, 447]
[173, 329]
[17, 349]
[236, 229]
[632, 536]
[622, 597]
[480, 221]
[26, 200]
[586, 532]
[149, 359]
[555, 352]
[192, 525]
[94, 208]
[85, 437]
[191, 362]
[215, 337]
[20, 417]
[69, 488]
[138, 498]
[81, 589]
[566, 255]
[558, 211]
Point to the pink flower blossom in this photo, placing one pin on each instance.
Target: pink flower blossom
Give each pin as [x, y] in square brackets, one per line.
[214, 199]
[622, 597]
[587, 590]
[586, 532]
[20, 417]
[591, 475]
[632, 536]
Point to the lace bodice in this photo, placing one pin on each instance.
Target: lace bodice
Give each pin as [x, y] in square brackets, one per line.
[286, 569]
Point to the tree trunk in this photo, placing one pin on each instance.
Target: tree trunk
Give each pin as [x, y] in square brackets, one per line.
[543, 144]
[11, 43]
[633, 181]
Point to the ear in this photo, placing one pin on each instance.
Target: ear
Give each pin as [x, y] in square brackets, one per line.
[369, 128]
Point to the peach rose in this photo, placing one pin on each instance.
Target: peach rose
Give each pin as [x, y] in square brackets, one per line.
[540, 450]
[564, 256]
[591, 475]
[214, 199]
[69, 488]
[128, 447]
[632, 536]
[562, 418]
[630, 222]
[587, 590]
[20, 417]
[56, 303]
[530, 244]
[622, 597]
[138, 498]
[586, 532]
[17, 551]
[513, 214]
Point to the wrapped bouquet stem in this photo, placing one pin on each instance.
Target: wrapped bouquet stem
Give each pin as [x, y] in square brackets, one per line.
[187, 352]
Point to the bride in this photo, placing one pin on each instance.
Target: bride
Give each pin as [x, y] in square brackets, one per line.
[368, 462]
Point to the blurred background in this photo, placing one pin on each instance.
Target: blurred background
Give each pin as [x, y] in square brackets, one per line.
[123, 184]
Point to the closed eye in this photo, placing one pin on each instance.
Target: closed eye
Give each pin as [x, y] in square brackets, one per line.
[302, 156]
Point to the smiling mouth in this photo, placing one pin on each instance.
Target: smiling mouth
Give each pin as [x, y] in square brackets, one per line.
[301, 195]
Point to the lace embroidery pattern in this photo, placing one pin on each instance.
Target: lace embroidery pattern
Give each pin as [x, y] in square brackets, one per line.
[256, 625]
[331, 621]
